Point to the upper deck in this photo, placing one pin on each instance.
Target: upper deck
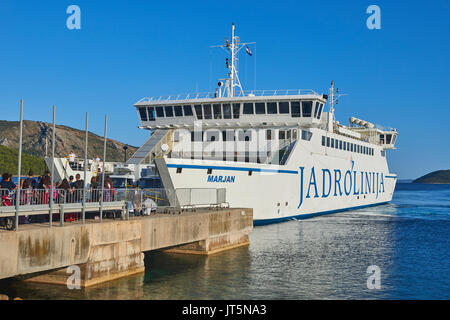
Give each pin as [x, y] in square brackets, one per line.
[253, 109]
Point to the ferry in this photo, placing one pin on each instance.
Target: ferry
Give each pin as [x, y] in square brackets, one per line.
[276, 151]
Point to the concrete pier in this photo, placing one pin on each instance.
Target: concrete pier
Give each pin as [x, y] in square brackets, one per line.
[114, 248]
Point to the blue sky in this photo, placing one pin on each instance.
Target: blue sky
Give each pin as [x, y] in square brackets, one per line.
[398, 76]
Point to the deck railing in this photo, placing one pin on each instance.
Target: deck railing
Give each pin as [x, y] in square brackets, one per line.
[248, 93]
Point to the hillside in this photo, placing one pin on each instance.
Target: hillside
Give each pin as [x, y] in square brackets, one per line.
[440, 176]
[8, 162]
[67, 139]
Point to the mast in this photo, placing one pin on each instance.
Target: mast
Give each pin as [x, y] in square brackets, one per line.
[232, 47]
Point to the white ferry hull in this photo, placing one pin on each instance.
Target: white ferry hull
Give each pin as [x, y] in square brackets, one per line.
[317, 180]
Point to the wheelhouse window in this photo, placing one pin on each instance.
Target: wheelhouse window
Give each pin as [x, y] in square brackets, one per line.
[316, 109]
[248, 108]
[207, 114]
[187, 110]
[160, 112]
[260, 108]
[295, 109]
[236, 110]
[282, 135]
[226, 111]
[151, 114]
[178, 111]
[388, 138]
[271, 107]
[198, 111]
[319, 113]
[217, 111]
[284, 107]
[306, 108]
[169, 111]
[143, 113]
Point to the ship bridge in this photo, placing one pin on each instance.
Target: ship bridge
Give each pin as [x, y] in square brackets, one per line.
[274, 108]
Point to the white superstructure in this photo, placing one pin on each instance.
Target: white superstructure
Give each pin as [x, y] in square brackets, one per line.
[278, 152]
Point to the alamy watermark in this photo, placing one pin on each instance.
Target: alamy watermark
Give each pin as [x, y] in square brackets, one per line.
[374, 20]
[374, 280]
[74, 20]
[74, 280]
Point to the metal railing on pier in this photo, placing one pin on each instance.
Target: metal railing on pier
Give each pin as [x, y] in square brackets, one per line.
[68, 205]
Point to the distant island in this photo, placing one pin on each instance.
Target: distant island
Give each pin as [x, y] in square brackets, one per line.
[437, 177]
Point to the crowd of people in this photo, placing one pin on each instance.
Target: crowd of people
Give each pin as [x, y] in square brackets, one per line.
[39, 191]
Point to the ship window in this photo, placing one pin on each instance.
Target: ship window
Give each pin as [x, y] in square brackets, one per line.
[295, 109]
[143, 113]
[226, 111]
[244, 135]
[187, 110]
[196, 135]
[306, 135]
[271, 107]
[179, 170]
[336, 144]
[332, 142]
[306, 108]
[248, 108]
[169, 111]
[388, 138]
[217, 111]
[281, 135]
[176, 136]
[260, 108]
[382, 138]
[320, 111]
[288, 134]
[207, 111]
[268, 134]
[236, 110]
[351, 147]
[151, 114]
[160, 112]
[316, 109]
[383, 153]
[284, 107]
[328, 141]
[294, 134]
[228, 135]
[323, 140]
[340, 145]
[198, 111]
[212, 135]
[178, 111]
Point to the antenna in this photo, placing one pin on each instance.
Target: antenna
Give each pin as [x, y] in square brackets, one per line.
[232, 47]
[334, 100]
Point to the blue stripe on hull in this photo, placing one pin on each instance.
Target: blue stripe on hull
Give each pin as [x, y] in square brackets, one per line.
[311, 215]
[191, 166]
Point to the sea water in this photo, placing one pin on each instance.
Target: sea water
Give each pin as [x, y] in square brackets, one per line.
[327, 257]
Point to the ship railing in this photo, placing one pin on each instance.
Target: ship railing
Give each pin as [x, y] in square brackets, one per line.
[240, 94]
